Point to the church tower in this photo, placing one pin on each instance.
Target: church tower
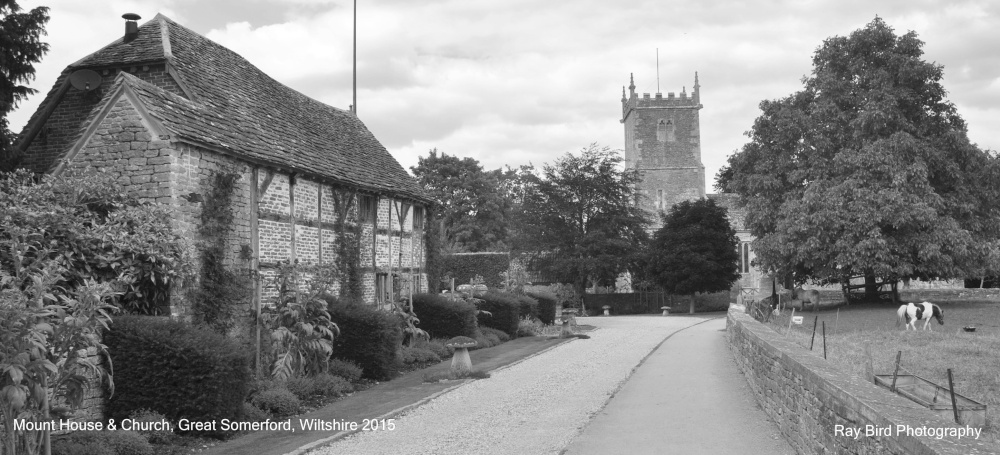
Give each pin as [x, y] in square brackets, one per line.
[663, 141]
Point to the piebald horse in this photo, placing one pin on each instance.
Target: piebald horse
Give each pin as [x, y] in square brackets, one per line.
[924, 311]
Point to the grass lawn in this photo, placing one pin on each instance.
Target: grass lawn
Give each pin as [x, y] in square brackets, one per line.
[863, 339]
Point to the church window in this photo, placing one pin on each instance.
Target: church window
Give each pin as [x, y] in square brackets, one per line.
[659, 199]
[744, 257]
[665, 130]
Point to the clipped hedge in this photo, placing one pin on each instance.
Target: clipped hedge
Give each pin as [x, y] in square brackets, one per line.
[465, 266]
[546, 306]
[528, 306]
[445, 318]
[176, 369]
[504, 311]
[368, 337]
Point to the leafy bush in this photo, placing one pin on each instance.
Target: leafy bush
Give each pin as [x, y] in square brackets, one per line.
[117, 442]
[419, 356]
[322, 384]
[528, 327]
[279, 401]
[435, 345]
[502, 336]
[487, 340]
[252, 413]
[345, 369]
[179, 370]
[529, 306]
[546, 306]
[153, 435]
[302, 331]
[443, 317]
[464, 267]
[369, 337]
[504, 311]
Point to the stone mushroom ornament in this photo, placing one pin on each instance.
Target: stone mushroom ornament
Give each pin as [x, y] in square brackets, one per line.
[461, 363]
[666, 310]
[607, 310]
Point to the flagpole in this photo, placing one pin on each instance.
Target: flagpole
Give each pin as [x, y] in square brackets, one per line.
[354, 107]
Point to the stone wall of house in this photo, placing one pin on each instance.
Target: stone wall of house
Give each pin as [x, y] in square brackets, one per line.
[808, 398]
[62, 128]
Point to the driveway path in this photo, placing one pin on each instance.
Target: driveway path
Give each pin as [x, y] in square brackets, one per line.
[687, 397]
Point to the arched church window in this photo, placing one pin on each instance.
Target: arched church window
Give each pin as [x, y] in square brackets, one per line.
[665, 130]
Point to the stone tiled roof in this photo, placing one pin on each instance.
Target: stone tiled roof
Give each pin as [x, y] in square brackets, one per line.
[236, 107]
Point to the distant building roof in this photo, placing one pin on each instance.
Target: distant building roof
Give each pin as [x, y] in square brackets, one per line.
[232, 106]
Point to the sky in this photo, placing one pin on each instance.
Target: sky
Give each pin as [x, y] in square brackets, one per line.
[518, 81]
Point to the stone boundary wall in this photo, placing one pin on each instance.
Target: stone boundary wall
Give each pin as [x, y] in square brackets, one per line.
[808, 397]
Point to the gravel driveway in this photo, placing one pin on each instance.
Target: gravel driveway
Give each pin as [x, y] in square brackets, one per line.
[537, 406]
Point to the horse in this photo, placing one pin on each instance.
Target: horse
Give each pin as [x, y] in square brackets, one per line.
[913, 312]
[807, 295]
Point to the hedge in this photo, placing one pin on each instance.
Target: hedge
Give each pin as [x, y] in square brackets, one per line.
[445, 318]
[528, 306]
[505, 310]
[546, 306]
[368, 337]
[176, 369]
[463, 267]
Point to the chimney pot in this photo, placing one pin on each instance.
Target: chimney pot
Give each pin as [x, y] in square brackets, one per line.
[131, 27]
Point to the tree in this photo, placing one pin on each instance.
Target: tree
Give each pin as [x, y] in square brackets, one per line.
[868, 171]
[578, 219]
[471, 210]
[695, 250]
[20, 49]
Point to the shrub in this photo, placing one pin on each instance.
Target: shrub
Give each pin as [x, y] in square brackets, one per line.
[152, 435]
[528, 306]
[528, 327]
[419, 356]
[117, 442]
[504, 311]
[487, 340]
[345, 369]
[442, 317]
[546, 306]
[176, 369]
[252, 413]
[502, 336]
[280, 402]
[369, 337]
[435, 345]
[466, 266]
[322, 384]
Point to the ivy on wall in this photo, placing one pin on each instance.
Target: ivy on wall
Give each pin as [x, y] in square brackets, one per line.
[221, 290]
[348, 244]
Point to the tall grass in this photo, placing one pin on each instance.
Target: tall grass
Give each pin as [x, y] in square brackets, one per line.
[866, 341]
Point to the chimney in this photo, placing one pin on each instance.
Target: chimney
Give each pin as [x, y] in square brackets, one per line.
[131, 27]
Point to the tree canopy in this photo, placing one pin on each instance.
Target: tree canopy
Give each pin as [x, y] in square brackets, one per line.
[868, 170]
[20, 49]
[695, 250]
[472, 205]
[578, 220]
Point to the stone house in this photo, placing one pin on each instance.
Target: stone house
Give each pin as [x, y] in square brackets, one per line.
[165, 109]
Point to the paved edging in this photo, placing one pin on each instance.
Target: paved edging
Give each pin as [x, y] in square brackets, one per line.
[404, 409]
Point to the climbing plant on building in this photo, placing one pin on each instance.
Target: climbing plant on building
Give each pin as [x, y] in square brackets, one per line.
[223, 289]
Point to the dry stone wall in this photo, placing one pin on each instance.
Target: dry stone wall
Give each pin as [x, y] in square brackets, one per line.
[810, 400]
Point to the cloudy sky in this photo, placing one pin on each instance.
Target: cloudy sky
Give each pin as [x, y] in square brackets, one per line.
[518, 81]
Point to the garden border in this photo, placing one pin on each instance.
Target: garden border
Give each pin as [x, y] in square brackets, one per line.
[807, 397]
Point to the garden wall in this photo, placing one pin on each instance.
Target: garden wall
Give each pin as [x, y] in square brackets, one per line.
[808, 398]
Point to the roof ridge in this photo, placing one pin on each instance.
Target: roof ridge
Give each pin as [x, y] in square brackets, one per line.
[120, 42]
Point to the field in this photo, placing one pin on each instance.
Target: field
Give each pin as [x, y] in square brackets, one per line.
[864, 339]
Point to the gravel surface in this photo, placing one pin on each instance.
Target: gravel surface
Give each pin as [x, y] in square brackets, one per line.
[536, 406]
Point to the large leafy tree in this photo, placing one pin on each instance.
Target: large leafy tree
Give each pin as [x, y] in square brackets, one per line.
[868, 170]
[695, 250]
[472, 210]
[20, 49]
[578, 220]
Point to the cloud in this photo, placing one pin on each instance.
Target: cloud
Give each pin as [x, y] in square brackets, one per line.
[522, 80]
